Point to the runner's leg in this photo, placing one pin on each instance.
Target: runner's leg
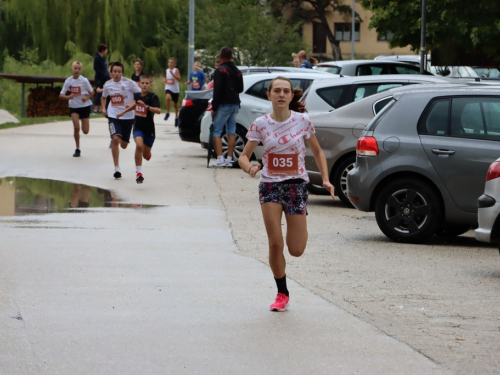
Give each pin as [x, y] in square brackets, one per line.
[115, 150]
[75, 118]
[296, 234]
[139, 150]
[272, 213]
[85, 125]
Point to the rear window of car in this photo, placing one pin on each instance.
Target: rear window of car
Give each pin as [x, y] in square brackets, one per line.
[407, 70]
[378, 106]
[435, 119]
[332, 95]
[366, 90]
[380, 115]
[329, 69]
[259, 89]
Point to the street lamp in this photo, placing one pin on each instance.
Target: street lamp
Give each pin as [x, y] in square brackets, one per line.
[422, 40]
[191, 35]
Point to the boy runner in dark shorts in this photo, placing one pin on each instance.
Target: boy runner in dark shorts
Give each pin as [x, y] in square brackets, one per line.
[121, 91]
[146, 105]
[80, 91]
[172, 79]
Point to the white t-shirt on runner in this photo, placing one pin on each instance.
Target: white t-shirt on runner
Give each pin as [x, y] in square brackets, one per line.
[284, 147]
[121, 93]
[172, 84]
[79, 86]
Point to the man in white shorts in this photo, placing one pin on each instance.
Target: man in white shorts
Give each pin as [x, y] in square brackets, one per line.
[80, 91]
[172, 88]
[121, 92]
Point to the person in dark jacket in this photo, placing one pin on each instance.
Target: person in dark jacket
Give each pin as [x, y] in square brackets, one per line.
[228, 83]
[101, 73]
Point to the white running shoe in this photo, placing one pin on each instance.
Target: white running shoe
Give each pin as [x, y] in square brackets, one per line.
[218, 164]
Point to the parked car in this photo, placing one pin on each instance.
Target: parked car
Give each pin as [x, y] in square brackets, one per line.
[338, 133]
[454, 71]
[487, 71]
[489, 207]
[409, 59]
[422, 161]
[329, 94]
[195, 103]
[367, 67]
[254, 103]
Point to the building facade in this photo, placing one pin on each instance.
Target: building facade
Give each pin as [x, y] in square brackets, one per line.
[367, 43]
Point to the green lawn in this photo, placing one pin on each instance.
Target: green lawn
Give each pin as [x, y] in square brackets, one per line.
[33, 121]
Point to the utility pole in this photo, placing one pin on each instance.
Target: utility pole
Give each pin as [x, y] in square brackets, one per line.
[422, 41]
[352, 29]
[191, 36]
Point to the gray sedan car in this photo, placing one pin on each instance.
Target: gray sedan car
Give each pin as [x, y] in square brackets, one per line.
[422, 161]
[338, 132]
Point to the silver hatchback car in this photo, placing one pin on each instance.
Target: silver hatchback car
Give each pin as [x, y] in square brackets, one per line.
[422, 161]
[489, 207]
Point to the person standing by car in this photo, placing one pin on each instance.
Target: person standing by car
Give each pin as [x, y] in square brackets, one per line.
[172, 80]
[284, 177]
[196, 78]
[304, 60]
[101, 73]
[228, 84]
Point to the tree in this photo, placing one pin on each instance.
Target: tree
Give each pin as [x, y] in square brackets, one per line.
[317, 10]
[256, 37]
[458, 26]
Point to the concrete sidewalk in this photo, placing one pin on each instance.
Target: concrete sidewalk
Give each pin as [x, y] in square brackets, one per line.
[157, 291]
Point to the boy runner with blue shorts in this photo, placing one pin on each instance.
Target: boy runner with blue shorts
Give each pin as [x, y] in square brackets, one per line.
[121, 92]
[146, 105]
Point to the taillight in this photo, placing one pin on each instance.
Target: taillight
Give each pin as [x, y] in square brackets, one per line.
[187, 102]
[367, 146]
[493, 171]
[209, 108]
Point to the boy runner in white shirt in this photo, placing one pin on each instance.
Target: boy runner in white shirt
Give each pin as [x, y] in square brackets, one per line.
[172, 88]
[121, 92]
[80, 91]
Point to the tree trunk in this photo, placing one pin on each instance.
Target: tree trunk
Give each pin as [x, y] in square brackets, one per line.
[336, 52]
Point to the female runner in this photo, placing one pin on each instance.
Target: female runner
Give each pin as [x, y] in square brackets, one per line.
[284, 177]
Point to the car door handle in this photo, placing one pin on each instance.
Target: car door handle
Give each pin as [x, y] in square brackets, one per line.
[262, 111]
[438, 151]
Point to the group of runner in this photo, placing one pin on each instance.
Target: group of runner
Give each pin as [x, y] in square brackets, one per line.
[284, 133]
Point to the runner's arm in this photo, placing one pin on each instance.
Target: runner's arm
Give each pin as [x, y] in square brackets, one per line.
[155, 105]
[244, 159]
[176, 74]
[320, 159]
[129, 107]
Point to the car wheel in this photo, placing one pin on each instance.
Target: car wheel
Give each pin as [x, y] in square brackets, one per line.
[240, 143]
[450, 230]
[408, 211]
[340, 179]
[317, 189]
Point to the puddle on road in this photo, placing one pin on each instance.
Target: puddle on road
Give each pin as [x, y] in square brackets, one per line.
[22, 196]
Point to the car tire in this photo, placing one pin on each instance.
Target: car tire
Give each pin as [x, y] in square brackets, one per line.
[452, 230]
[408, 210]
[317, 189]
[340, 179]
[241, 141]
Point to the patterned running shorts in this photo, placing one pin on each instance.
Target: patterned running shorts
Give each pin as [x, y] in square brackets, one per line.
[292, 196]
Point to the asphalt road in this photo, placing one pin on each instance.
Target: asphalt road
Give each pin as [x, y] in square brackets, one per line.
[185, 288]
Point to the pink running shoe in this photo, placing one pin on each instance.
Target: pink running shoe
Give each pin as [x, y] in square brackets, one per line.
[280, 302]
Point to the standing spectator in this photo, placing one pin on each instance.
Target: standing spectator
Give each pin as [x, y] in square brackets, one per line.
[217, 64]
[304, 60]
[80, 92]
[228, 83]
[172, 80]
[196, 78]
[138, 72]
[101, 72]
[296, 62]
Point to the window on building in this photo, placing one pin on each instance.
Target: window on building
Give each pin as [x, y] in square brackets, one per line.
[343, 32]
[384, 38]
[319, 38]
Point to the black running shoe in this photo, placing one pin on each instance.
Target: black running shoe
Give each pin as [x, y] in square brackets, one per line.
[117, 174]
[139, 178]
[176, 122]
[77, 153]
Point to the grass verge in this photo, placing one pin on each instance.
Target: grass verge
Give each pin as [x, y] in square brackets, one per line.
[34, 121]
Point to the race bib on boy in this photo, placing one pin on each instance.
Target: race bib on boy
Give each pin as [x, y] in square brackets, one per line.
[170, 81]
[117, 100]
[140, 110]
[196, 85]
[283, 164]
[76, 90]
